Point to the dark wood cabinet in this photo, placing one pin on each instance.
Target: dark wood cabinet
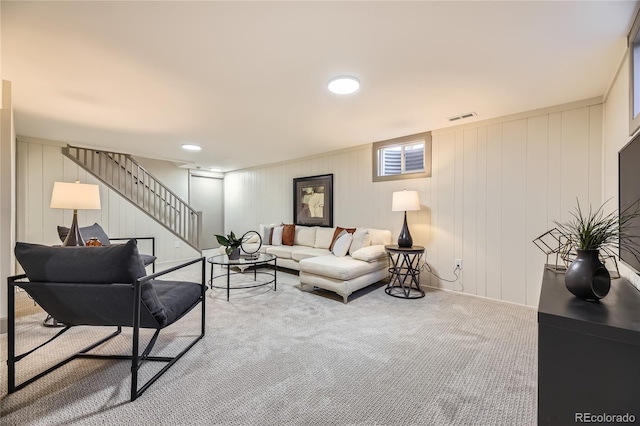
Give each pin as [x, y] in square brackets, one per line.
[588, 354]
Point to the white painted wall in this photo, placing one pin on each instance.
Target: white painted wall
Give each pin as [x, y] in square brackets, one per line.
[7, 197]
[616, 135]
[39, 164]
[496, 186]
[174, 178]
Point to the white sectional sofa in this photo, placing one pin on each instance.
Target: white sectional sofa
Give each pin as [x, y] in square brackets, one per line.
[364, 262]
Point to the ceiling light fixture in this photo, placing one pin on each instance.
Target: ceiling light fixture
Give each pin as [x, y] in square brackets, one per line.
[191, 147]
[344, 85]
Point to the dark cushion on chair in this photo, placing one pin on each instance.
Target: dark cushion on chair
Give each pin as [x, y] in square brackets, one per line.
[147, 259]
[118, 263]
[87, 232]
[177, 297]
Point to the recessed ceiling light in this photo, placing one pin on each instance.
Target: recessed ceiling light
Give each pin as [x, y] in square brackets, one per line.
[191, 147]
[344, 85]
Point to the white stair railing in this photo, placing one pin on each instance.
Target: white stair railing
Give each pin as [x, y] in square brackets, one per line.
[124, 175]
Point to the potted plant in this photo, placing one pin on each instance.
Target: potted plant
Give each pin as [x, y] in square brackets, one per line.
[590, 232]
[232, 244]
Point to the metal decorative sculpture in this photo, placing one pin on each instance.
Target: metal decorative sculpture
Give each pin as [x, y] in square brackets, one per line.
[555, 243]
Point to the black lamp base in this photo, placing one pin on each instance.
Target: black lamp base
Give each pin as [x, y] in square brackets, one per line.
[74, 238]
[405, 240]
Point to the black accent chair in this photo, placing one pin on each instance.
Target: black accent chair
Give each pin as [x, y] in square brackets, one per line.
[96, 230]
[102, 286]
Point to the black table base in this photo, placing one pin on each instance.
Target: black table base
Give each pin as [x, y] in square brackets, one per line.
[404, 281]
[264, 260]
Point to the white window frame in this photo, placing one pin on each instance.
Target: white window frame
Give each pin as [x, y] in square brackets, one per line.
[402, 143]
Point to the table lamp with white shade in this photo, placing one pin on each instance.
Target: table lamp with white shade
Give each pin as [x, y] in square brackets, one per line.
[75, 196]
[405, 201]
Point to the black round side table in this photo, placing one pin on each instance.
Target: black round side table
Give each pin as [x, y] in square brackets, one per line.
[404, 281]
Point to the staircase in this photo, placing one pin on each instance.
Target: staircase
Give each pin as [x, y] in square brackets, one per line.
[121, 173]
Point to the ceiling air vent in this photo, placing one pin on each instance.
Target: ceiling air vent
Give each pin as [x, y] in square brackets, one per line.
[462, 116]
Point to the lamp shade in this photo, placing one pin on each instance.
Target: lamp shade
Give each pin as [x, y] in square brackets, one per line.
[405, 201]
[75, 196]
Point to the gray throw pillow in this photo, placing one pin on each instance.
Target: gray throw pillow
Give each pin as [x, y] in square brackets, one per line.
[86, 232]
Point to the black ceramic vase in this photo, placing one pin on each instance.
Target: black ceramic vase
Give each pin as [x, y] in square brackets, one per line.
[235, 254]
[586, 277]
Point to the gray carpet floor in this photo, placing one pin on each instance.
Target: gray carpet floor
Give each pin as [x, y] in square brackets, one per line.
[290, 357]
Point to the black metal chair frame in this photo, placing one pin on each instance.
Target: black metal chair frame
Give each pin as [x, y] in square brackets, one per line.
[153, 246]
[137, 358]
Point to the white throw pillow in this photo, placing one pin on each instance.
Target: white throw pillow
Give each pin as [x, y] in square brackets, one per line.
[370, 253]
[265, 232]
[276, 237]
[342, 244]
[324, 236]
[360, 239]
[305, 236]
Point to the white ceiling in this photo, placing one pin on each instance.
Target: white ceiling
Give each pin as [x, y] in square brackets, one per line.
[247, 80]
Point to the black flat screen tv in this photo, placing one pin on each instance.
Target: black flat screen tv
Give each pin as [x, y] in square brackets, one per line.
[629, 194]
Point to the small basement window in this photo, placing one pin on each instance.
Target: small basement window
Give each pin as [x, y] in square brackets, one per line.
[408, 157]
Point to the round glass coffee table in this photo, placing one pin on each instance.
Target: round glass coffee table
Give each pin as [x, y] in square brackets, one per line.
[246, 261]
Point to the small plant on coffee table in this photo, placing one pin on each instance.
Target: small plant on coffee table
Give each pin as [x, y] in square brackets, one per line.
[230, 242]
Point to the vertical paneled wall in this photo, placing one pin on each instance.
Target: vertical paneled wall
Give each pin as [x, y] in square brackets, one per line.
[616, 136]
[40, 164]
[7, 195]
[495, 187]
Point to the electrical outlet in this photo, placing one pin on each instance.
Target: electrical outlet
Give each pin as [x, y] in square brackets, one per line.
[177, 244]
[458, 263]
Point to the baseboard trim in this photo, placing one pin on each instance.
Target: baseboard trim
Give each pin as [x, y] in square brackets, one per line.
[478, 296]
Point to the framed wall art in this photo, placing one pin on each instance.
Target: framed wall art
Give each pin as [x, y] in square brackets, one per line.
[313, 201]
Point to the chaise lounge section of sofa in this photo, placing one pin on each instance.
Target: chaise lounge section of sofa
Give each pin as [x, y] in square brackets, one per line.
[322, 264]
